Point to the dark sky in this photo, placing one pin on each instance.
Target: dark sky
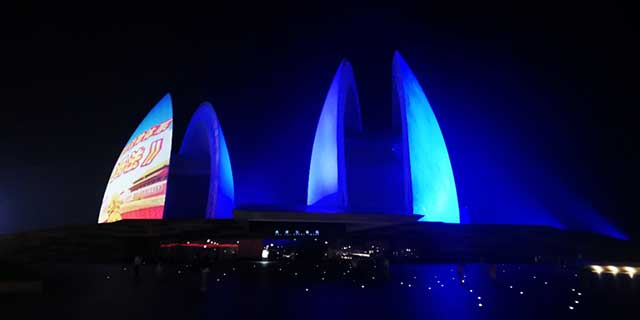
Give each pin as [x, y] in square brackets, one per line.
[528, 96]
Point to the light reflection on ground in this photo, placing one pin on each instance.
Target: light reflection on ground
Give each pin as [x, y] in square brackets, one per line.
[289, 291]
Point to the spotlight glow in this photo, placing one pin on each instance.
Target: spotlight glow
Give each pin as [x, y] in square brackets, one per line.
[597, 269]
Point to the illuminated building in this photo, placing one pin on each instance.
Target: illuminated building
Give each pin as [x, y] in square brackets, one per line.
[204, 138]
[202, 183]
[425, 157]
[427, 177]
[138, 182]
[327, 186]
[403, 171]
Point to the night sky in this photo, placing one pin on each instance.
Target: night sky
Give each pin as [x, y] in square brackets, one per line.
[535, 102]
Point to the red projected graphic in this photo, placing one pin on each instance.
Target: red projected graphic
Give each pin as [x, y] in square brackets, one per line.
[156, 146]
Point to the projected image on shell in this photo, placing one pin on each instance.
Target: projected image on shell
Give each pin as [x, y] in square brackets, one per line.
[138, 183]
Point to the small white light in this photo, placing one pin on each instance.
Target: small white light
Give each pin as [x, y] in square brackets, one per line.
[479, 304]
[479, 298]
[409, 285]
[570, 307]
[521, 292]
[579, 293]
[306, 289]
[572, 289]
[577, 302]
[545, 282]
[470, 290]
[510, 287]
[442, 285]
[362, 286]
[429, 288]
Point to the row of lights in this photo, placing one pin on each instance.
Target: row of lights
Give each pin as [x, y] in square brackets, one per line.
[631, 271]
[297, 233]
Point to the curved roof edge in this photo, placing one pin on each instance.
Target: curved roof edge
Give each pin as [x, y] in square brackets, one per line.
[327, 185]
[205, 141]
